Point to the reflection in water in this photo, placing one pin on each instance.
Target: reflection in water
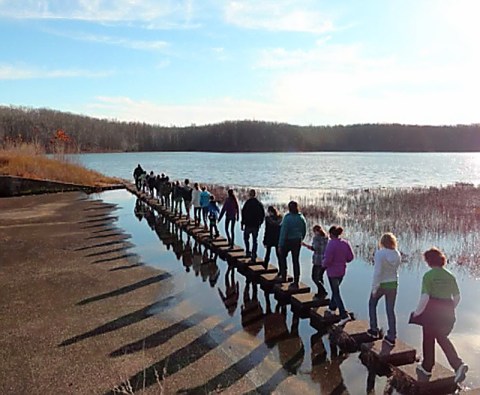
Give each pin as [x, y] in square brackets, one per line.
[251, 310]
[231, 295]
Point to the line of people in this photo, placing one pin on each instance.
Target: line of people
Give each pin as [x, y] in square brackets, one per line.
[331, 253]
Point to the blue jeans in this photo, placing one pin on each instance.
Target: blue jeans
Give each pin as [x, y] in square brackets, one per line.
[390, 296]
[336, 299]
[251, 230]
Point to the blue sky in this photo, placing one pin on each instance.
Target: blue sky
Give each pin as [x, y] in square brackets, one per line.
[307, 62]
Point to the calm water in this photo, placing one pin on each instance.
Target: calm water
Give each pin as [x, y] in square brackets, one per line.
[294, 174]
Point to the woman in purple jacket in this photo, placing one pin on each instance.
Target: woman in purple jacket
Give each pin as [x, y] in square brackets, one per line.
[337, 254]
[231, 211]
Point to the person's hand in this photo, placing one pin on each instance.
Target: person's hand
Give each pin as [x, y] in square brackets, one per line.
[304, 244]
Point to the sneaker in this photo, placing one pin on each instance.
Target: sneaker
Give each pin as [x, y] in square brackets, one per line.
[388, 341]
[373, 333]
[329, 311]
[343, 321]
[421, 370]
[460, 373]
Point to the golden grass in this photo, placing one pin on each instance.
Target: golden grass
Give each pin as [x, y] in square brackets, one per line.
[25, 160]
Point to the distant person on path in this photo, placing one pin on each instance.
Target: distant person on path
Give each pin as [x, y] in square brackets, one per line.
[197, 208]
[253, 215]
[337, 255]
[204, 202]
[231, 211]
[272, 233]
[292, 231]
[213, 212]
[318, 246]
[436, 313]
[187, 196]
[166, 192]
[142, 179]
[136, 176]
[177, 196]
[151, 179]
[387, 259]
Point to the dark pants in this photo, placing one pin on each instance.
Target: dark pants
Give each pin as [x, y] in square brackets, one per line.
[432, 333]
[230, 230]
[336, 299]
[197, 215]
[317, 278]
[292, 246]
[213, 227]
[251, 230]
[390, 297]
[268, 250]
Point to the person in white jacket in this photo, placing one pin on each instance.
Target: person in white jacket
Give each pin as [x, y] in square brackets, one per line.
[385, 282]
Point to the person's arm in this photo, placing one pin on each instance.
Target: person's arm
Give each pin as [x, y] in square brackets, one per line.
[222, 211]
[283, 232]
[328, 260]
[377, 271]
[309, 246]
[304, 226]
[422, 303]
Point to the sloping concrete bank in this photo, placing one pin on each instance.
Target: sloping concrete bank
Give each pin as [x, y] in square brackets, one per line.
[17, 186]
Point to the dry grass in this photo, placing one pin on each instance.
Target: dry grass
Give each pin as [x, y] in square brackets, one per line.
[28, 160]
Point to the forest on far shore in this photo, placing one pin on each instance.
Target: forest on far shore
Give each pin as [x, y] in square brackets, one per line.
[87, 134]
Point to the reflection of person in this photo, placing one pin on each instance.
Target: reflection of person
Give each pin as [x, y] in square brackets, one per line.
[292, 232]
[337, 254]
[318, 246]
[187, 256]
[213, 271]
[272, 233]
[231, 211]
[275, 323]
[139, 209]
[291, 350]
[436, 313]
[253, 214]
[329, 375]
[197, 258]
[385, 281]
[232, 292]
[251, 310]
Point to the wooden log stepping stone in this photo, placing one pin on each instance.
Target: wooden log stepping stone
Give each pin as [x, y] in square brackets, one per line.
[302, 303]
[400, 354]
[320, 317]
[407, 379]
[269, 280]
[257, 270]
[284, 291]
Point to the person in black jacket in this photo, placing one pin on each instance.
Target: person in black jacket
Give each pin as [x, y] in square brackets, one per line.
[136, 176]
[253, 215]
[272, 233]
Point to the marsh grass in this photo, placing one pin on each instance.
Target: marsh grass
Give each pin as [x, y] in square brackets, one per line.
[28, 160]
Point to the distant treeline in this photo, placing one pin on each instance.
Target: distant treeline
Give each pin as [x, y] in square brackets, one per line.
[99, 135]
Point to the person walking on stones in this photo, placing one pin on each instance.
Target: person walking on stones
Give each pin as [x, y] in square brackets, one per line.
[177, 196]
[436, 314]
[231, 211]
[213, 212]
[292, 231]
[187, 196]
[204, 202]
[318, 246]
[337, 254]
[151, 179]
[197, 208]
[253, 215]
[136, 176]
[272, 233]
[387, 259]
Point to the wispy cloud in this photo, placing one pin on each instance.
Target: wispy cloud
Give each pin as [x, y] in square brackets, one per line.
[16, 72]
[278, 15]
[153, 13]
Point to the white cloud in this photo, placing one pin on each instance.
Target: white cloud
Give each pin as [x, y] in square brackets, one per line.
[278, 15]
[163, 14]
[15, 72]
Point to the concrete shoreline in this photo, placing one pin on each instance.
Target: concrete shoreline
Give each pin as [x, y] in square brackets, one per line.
[68, 303]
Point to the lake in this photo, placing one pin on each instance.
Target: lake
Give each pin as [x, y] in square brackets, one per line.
[305, 175]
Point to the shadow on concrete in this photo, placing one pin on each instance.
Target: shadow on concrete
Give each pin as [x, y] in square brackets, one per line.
[120, 249]
[124, 256]
[125, 320]
[100, 219]
[125, 267]
[106, 244]
[126, 289]
[104, 236]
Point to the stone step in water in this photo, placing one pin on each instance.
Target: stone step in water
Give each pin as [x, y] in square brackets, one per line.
[269, 280]
[320, 318]
[257, 270]
[400, 354]
[407, 379]
[302, 303]
[284, 291]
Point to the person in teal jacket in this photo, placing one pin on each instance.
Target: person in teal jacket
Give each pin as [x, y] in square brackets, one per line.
[292, 231]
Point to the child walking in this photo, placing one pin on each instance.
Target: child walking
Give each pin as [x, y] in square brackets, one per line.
[385, 282]
[213, 213]
[318, 246]
[436, 314]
